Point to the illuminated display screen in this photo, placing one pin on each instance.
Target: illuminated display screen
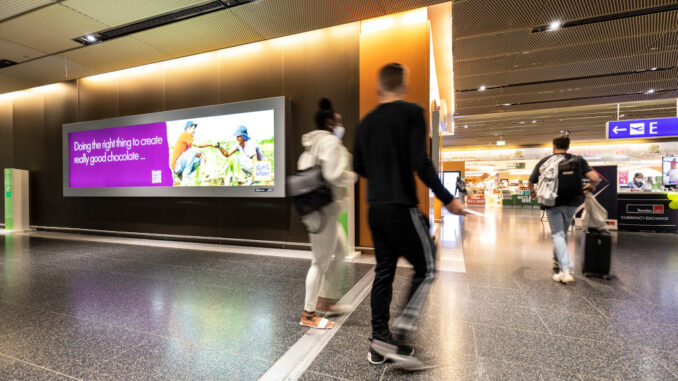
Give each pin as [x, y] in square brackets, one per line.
[228, 150]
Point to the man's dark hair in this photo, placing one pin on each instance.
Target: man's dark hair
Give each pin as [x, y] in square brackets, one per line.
[638, 175]
[392, 76]
[561, 142]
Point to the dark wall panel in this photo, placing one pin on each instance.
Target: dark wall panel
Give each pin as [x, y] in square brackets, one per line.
[302, 69]
[142, 92]
[61, 106]
[98, 98]
[316, 68]
[260, 77]
[29, 147]
[192, 82]
[6, 141]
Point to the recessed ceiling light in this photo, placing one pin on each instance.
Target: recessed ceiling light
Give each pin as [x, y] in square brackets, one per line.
[90, 38]
[622, 115]
[651, 91]
[554, 25]
[482, 88]
[466, 126]
[534, 121]
[506, 104]
[653, 69]
[522, 122]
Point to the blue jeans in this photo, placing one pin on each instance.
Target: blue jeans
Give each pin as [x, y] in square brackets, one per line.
[187, 163]
[560, 219]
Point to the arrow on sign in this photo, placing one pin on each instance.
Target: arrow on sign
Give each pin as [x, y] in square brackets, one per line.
[616, 129]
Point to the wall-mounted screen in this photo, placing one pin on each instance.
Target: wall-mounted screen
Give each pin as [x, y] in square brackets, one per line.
[234, 150]
[670, 170]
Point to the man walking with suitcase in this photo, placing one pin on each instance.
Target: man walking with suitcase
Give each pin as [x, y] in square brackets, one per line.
[560, 191]
[390, 146]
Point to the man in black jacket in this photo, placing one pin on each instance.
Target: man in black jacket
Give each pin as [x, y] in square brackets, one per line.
[390, 146]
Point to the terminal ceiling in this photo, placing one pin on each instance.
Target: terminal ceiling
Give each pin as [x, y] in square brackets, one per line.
[38, 34]
[571, 78]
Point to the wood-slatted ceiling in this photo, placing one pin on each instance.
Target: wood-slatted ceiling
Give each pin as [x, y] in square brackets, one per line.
[37, 34]
[494, 46]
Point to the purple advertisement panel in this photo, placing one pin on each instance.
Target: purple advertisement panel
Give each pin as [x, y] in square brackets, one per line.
[131, 156]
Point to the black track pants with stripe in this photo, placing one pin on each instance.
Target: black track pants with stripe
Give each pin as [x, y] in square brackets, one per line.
[399, 231]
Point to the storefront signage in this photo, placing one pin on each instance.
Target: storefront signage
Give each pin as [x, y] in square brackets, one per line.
[646, 128]
[516, 165]
[644, 209]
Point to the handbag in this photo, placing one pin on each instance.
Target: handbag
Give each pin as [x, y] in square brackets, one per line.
[310, 192]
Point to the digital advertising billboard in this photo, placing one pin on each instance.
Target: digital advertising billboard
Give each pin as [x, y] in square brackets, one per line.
[230, 150]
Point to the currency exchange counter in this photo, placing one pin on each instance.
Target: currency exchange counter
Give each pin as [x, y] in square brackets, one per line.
[648, 211]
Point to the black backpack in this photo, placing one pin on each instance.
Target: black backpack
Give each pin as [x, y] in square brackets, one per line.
[570, 177]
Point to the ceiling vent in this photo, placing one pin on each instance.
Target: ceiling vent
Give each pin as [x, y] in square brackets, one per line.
[159, 20]
[5, 62]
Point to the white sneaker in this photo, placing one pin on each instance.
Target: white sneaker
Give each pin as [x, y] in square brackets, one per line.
[563, 277]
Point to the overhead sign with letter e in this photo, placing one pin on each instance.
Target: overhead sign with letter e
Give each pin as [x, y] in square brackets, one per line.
[647, 128]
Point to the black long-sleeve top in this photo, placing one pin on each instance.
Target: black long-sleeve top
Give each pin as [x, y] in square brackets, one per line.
[390, 146]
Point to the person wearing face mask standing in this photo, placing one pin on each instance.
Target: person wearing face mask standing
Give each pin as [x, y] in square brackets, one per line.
[637, 185]
[324, 147]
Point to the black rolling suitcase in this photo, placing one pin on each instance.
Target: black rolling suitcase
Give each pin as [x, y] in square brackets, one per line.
[597, 251]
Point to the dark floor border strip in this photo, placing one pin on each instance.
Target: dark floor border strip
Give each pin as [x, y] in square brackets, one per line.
[187, 238]
[180, 238]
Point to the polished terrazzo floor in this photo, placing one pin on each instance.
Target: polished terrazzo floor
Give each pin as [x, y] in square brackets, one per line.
[101, 311]
[107, 311]
[505, 319]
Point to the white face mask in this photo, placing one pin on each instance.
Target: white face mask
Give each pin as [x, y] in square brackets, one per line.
[339, 131]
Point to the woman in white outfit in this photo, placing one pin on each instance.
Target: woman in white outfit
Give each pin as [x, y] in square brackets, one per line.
[323, 147]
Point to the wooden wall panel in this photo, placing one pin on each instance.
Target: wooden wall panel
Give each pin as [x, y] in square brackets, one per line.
[408, 45]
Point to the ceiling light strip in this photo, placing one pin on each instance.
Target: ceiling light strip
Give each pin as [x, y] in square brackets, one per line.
[646, 92]
[159, 20]
[606, 75]
[610, 17]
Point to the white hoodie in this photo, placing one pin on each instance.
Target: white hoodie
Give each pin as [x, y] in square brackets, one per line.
[322, 147]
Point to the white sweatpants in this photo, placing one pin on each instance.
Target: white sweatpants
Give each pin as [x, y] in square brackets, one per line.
[329, 251]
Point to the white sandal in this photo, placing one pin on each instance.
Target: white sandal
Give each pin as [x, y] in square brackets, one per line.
[321, 325]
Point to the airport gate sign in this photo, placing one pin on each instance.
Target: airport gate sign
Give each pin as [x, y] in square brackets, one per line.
[646, 128]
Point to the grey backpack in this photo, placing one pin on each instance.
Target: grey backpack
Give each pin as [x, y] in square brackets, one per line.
[547, 188]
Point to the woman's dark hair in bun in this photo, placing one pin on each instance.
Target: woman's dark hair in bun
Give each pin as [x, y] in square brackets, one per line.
[324, 113]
